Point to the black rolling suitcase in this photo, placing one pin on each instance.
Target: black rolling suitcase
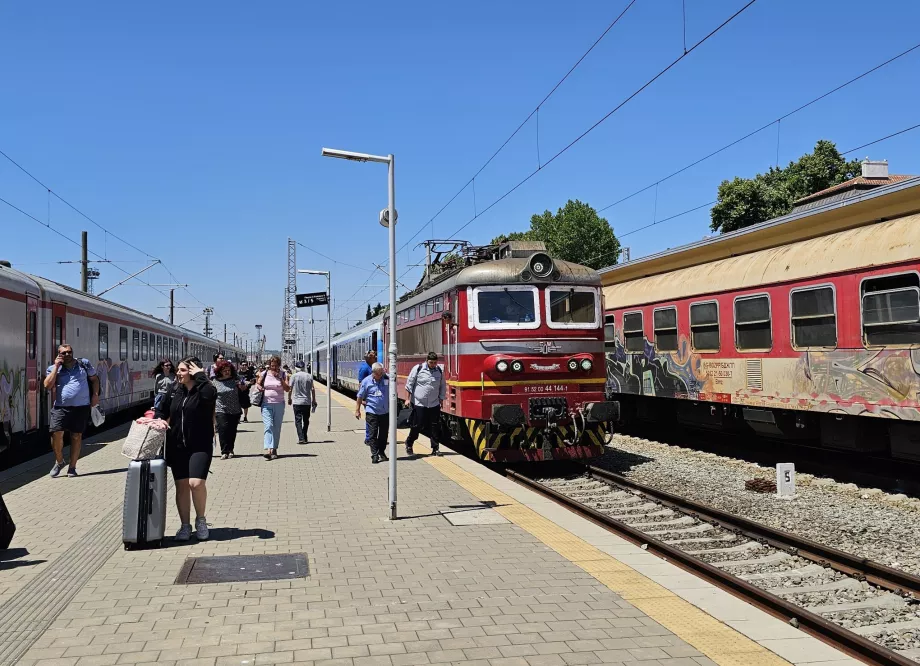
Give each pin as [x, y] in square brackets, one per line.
[7, 526]
[145, 504]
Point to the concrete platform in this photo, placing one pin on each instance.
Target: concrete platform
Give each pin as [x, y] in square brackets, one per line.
[477, 570]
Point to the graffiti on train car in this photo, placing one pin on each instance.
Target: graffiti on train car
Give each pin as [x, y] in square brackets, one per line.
[872, 382]
[11, 381]
[116, 383]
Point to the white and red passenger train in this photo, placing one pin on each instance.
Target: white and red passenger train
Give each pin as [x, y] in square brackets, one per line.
[124, 346]
[520, 340]
[802, 327]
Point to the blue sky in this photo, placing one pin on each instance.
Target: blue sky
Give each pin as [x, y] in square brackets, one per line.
[193, 130]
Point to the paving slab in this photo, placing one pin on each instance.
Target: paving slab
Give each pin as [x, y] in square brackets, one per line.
[471, 572]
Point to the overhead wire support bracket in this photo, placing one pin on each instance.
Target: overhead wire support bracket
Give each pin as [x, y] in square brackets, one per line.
[130, 277]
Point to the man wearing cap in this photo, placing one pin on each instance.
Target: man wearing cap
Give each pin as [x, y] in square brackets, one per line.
[427, 390]
[303, 399]
[365, 370]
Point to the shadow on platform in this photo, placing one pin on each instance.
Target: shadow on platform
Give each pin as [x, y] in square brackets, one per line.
[9, 559]
[222, 534]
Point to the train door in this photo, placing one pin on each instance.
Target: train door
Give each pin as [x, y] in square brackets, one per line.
[450, 349]
[32, 390]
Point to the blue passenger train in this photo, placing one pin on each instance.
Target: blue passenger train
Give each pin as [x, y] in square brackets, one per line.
[348, 352]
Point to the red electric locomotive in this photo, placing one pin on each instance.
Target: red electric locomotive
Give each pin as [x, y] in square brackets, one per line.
[521, 342]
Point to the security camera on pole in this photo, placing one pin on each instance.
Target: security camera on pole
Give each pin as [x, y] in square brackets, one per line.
[385, 217]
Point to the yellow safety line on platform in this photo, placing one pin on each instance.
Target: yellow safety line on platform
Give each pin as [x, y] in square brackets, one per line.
[721, 643]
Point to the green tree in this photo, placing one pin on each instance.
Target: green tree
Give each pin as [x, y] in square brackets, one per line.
[513, 236]
[576, 233]
[369, 314]
[746, 201]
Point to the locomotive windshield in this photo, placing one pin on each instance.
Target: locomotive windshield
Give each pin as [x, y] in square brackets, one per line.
[506, 307]
[575, 307]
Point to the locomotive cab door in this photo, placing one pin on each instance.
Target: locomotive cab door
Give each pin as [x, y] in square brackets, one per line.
[32, 388]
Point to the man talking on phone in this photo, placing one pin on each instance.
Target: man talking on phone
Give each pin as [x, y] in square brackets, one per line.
[75, 388]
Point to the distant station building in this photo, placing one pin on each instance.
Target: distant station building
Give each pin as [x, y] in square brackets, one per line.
[874, 174]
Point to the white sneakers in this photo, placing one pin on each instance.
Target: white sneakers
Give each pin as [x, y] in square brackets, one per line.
[201, 530]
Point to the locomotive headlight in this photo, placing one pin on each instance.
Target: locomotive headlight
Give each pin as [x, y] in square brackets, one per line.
[517, 366]
[502, 366]
[573, 365]
[586, 364]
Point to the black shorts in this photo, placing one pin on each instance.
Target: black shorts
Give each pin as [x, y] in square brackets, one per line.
[69, 419]
[189, 463]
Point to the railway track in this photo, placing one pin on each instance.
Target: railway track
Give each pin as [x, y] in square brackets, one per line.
[865, 608]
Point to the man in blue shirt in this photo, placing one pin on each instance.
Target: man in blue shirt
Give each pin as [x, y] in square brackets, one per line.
[374, 394]
[365, 370]
[75, 387]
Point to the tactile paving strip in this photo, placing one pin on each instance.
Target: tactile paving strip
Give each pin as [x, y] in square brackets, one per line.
[27, 614]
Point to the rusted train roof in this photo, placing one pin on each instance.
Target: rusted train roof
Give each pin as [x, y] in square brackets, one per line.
[883, 203]
[870, 245]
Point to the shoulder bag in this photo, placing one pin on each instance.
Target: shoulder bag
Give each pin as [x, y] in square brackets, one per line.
[256, 394]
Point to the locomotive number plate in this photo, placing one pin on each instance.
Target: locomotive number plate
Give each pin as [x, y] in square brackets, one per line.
[541, 389]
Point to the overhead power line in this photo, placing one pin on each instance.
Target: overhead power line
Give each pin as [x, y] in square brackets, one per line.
[619, 106]
[763, 127]
[340, 263]
[523, 122]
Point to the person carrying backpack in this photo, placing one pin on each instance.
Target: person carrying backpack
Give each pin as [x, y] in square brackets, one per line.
[75, 388]
[427, 390]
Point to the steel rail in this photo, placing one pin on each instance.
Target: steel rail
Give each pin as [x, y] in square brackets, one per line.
[862, 648]
[899, 582]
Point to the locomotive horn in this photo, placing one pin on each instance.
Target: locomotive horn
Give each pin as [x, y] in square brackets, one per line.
[541, 265]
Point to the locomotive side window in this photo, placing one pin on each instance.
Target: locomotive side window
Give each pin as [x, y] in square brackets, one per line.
[123, 343]
[753, 330]
[58, 332]
[814, 317]
[144, 346]
[665, 321]
[505, 307]
[136, 345]
[633, 334]
[575, 307]
[103, 341]
[704, 326]
[891, 310]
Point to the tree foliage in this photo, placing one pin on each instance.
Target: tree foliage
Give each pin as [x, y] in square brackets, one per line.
[746, 201]
[373, 312]
[573, 233]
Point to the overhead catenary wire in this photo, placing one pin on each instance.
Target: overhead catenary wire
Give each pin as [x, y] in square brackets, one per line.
[619, 106]
[760, 129]
[534, 112]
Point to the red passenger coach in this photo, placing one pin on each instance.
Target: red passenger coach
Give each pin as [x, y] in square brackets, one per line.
[520, 339]
[802, 327]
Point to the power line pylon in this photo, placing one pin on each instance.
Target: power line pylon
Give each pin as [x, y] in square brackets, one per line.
[289, 316]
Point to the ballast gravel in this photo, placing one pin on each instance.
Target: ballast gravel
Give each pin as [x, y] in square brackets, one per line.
[862, 521]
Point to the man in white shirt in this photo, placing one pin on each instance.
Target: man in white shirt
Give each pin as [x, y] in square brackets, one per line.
[427, 390]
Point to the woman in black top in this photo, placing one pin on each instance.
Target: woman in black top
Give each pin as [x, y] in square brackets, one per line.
[247, 379]
[190, 443]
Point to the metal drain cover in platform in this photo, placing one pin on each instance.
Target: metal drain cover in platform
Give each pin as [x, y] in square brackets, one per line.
[242, 568]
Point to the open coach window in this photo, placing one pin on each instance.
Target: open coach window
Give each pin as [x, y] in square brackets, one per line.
[575, 307]
[814, 317]
[753, 329]
[891, 310]
[633, 335]
[505, 307]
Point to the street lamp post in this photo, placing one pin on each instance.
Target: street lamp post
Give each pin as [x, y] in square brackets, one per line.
[328, 343]
[387, 219]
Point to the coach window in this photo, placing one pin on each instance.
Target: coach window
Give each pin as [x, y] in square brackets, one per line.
[633, 334]
[575, 307]
[429, 308]
[665, 322]
[505, 308]
[704, 326]
[438, 304]
[136, 345]
[891, 310]
[144, 346]
[32, 333]
[610, 333]
[122, 344]
[103, 341]
[753, 331]
[814, 317]
[412, 313]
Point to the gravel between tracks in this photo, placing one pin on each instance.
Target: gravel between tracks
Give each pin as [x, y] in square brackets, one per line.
[865, 522]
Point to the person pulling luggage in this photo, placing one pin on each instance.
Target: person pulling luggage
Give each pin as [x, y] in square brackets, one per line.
[190, 443]
[427, 390]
